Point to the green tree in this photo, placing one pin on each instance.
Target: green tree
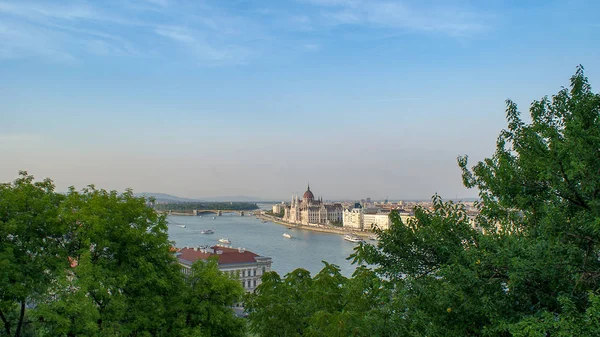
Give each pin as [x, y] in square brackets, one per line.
[125, 264]
[327, 305]
[207, 297]
[99, 263]
[527, 264]
[276, 308]
[31, 242]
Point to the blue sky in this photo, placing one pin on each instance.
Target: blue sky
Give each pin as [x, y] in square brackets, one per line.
[212, 98]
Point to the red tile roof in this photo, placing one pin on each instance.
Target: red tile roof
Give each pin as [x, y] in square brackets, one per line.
[229, 255]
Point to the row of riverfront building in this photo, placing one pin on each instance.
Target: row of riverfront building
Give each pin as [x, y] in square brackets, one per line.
[314, 212]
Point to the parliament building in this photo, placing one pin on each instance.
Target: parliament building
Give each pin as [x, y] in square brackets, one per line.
[309, 211]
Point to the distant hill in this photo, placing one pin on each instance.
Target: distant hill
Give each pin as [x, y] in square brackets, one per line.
[243, 198]
[162, 197]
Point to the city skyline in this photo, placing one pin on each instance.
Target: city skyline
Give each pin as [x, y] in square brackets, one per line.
[211, 99]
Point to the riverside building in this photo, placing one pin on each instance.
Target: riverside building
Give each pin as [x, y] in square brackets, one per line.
[239, 263]
[366, 219]
[309, 211]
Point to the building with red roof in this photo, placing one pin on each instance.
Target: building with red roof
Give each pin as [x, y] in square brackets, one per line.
[247, 266]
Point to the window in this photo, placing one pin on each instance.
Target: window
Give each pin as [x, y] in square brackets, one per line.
[254, 283]
[243, 273]
[254, 271]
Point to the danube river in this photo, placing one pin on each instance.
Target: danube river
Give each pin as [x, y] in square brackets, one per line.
[306, 249]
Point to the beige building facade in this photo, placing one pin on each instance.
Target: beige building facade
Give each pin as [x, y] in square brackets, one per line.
[311, 211]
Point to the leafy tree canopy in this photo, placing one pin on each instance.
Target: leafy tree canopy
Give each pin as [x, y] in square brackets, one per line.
[99, 263]
[527, 265]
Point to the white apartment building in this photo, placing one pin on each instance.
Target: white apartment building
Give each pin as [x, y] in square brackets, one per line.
[365, 219]
[381, 220]
[278, 208]
[239, 263]
[353, 219]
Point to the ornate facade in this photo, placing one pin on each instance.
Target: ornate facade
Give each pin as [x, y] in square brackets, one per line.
[309, 211]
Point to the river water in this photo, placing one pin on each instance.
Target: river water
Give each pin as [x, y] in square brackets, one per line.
[306, 249]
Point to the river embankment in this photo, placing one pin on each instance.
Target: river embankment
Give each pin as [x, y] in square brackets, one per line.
[316, 228]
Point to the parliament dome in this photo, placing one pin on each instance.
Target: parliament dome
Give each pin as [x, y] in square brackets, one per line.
[308, 194]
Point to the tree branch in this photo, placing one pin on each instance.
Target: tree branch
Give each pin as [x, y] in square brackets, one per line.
[21, 316]
[580, 201]
[6, 323]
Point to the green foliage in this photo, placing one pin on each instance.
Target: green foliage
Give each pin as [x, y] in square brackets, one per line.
[337, 223]
[327, 305]
[528, 262]
[31, 241]
[207, 304]
[98, 263]
[279, 215]
[527, 265]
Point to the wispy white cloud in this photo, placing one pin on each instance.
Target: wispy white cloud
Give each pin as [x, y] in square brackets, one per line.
[162, 3]
[205, 52]
[210, 32]
[36, 10]
[438, 17]
[23, 41]
[312, 47]
[392, 99]
[66, 31]
[177, 34]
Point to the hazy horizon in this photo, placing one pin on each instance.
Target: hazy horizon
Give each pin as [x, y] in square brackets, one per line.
[258, 98]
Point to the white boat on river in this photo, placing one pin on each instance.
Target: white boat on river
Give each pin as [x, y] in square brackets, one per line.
[353, 238]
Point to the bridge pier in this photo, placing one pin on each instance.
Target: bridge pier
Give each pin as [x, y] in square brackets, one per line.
[219, 213]
[241, 213]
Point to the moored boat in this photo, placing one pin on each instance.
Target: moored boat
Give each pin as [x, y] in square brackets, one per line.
[182, 226]
[207, 231]
[287, 235]
[353, 238]
[227, 241]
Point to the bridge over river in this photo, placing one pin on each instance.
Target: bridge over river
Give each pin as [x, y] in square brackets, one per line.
[218, 212]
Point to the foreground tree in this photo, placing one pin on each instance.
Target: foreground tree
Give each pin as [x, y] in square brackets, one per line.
[122, 265]
[529, 266]
[207, 297]
[98, 263]
[327, 305]
[31, 242]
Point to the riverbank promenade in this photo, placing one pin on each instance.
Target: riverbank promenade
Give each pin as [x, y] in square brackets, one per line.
[315, 228]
